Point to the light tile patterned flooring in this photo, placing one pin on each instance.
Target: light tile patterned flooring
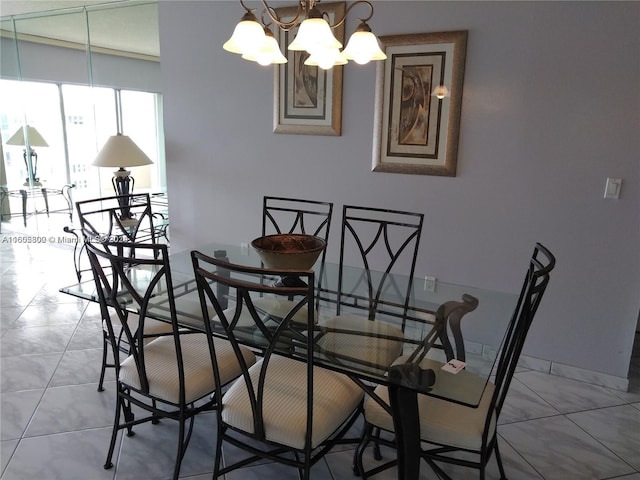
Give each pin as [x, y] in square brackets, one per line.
[55, 425]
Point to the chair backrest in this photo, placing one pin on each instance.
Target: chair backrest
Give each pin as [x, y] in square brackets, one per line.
[242, 322]
[103, 218]
[133, 295]
[535, 283]
[386, 241]
[291, 215]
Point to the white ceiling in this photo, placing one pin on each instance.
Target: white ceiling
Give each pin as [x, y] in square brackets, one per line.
[131, 28]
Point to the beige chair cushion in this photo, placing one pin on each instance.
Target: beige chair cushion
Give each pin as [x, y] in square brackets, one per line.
[285, 402]
[162, 367]
[151, 327]
[364, 349]
[441, 422]
[156, 327]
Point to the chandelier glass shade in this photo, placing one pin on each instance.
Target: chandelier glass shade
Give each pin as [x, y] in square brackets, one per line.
[314, 34]
[247, 36]
[326, 58]
[256, 42]
[363, 46]
[268, 52]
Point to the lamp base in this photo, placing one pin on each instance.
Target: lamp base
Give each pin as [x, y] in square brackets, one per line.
[33, 172]
[123, 185]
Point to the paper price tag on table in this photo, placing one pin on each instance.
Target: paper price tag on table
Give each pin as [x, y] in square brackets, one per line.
[453, 366]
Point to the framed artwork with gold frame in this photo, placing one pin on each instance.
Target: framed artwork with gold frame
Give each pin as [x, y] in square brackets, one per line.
[307, 100]
[418, 103]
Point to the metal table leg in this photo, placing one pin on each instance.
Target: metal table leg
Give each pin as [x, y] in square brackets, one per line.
[404, 405]
[406, 420]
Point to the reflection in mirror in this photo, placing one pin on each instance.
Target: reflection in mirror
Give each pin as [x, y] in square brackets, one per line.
[132, 29]
[8, 69]
[8, 54]
[79, 75]
[36, 53]
[121, 26]
[37, 105]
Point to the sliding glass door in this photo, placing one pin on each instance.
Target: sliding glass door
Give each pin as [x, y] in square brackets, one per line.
[76, 121]
[36, 105]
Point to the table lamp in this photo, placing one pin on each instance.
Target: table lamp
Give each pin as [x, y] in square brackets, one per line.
[120, 151]
[31, 139]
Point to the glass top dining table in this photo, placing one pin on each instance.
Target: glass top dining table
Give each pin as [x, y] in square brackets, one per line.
[418, 370]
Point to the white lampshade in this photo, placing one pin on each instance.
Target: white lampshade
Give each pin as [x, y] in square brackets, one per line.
[363, 47]
[268, 52]
[314, 33]
[247, 36]
[120, 151]
[326, 58]
[35, 139]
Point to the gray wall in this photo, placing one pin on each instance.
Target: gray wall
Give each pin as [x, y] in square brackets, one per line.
[551, 108]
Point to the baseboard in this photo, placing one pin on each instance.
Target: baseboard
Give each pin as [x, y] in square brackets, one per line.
[556, 368]
[575, 373]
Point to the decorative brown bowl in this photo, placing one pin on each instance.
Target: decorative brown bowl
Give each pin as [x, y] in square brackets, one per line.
[289, 251]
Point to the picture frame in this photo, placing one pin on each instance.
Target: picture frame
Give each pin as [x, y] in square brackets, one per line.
[307, 100]
[416, 132]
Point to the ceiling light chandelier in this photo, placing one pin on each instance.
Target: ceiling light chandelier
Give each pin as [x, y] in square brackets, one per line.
[256, 42]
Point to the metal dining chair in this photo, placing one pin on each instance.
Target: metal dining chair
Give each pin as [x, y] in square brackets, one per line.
[449, 316]
[283, 408]
[101, 220]
[105, 217]
[383, 245]
[293, 215]
[171, 376]
[447, 428]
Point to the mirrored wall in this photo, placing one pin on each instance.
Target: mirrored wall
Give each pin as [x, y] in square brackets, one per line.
[75, 77]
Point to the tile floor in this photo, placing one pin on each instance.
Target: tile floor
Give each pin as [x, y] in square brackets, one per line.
[55, 425]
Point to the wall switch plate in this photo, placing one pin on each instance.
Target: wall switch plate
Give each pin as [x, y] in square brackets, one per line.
[430, 284]
[612, 188]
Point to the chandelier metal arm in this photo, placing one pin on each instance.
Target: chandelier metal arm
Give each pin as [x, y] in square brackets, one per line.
[303, 9]
[346, 12]
[286, 26]
[249, 10]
